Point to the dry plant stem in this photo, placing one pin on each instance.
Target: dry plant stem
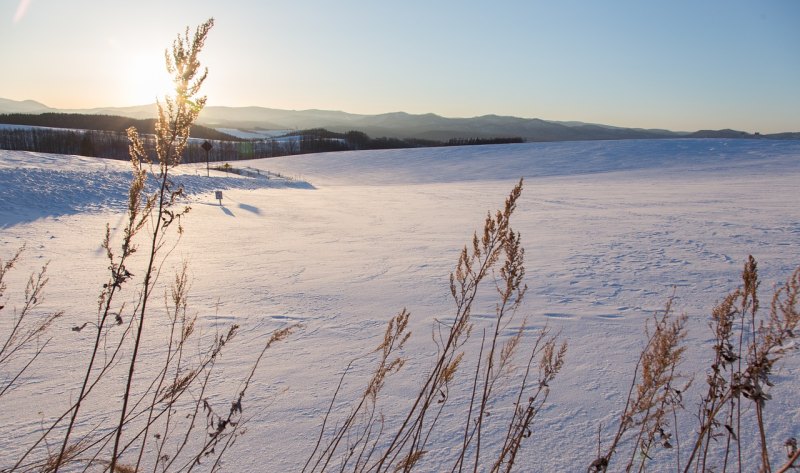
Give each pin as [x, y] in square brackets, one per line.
[362, 460]
[789, 465]
[159, 397]
[10, 384]
[519, 426]
[27, 327]
[192, 422]
[104, 440]
[186, 329]
[157, 381]
[172, 132]
[135, 413]
[394, 339]
[749, 303]
[178, 295]
[21, 335]
[55, 423]
[147, 287]
[737, 376]
[751, 283]
[367, 419]
[420, 442]
[648, 394]
[171, 140]
[677, 439]
[119, 275]
[218, 436]
[511, 295]
[471, 270]
[511, 291]
[326, 417]
[601, 463]
[722, 326]
[736, 402]
[407, 443]
[771, 341]
[172, 394]
[468, 293]
[768, 342]
[105, 367]
[459, 464]
[704, 434]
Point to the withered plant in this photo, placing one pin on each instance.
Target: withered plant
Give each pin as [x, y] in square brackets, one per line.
[746, 347]
[653, 394]
[26, 336]
[166, 421]
[363, 441]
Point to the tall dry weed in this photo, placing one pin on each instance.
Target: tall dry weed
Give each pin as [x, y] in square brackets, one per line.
[745, 349]
[363, 441]
[26, 336]
[166, 420]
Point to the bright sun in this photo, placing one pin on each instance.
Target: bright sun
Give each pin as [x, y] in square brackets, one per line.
[146, 79]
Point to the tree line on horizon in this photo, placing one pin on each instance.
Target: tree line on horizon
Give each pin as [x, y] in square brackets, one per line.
[104, 136]
[319, 140]
[79, 121]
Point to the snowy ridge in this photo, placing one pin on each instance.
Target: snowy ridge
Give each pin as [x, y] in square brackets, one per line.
[500, 162]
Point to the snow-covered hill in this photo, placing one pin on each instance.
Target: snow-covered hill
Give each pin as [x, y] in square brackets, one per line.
[36, 185]
[537, 160]
[612, 229]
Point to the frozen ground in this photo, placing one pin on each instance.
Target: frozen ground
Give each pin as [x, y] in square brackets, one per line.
[611, 229]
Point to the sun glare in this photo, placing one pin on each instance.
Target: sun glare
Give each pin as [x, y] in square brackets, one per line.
[146, 80]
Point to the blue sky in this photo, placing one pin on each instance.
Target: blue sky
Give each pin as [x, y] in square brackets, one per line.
[680, 65]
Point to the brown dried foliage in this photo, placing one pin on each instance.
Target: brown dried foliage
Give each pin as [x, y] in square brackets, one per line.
[356, 440]
[746, 348]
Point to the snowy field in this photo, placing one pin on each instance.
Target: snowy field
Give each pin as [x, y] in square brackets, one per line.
[611, 230]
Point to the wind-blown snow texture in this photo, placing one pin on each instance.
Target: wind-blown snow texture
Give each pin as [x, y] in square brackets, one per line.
[611, 229]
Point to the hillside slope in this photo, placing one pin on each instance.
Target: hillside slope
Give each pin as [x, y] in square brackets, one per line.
[612, 230]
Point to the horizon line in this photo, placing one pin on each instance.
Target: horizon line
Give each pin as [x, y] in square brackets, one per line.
[153, 104]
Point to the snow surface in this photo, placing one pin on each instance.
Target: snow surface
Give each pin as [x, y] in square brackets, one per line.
[35, 185]
[611, 229]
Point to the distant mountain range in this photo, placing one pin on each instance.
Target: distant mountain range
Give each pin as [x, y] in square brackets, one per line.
[398, 124]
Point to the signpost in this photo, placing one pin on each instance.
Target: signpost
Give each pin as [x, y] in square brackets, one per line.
[207, 146]
[218, 196]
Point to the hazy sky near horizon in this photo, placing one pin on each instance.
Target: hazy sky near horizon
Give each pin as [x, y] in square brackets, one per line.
[679, 64]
